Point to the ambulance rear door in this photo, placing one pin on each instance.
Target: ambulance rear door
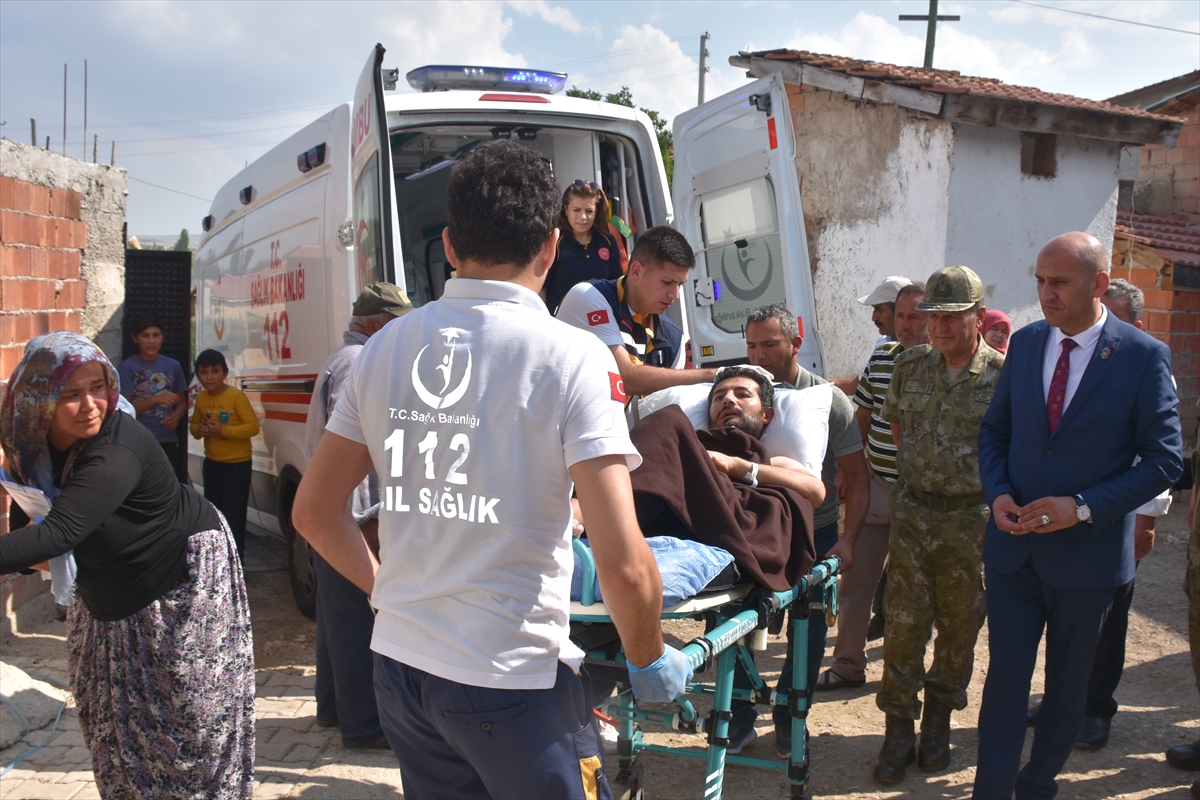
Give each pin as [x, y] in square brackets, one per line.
[376, 229]
[737, 200]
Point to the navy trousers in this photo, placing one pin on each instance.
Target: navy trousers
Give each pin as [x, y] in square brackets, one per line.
[454, 740]
[227, 486]
[744, 712]
[345, 665]
[1109, 663]
[1019, 607]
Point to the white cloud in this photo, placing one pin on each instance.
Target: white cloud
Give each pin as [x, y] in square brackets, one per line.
[659, 74]
[428, 33]
[557, 16]
[870, 37]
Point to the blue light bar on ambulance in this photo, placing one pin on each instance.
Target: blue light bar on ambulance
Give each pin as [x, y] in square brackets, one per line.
[441, 77]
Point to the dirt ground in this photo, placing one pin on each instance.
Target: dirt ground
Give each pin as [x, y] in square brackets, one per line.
[1159, 704]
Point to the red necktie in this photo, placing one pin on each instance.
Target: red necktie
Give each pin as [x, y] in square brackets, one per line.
[1055, 401]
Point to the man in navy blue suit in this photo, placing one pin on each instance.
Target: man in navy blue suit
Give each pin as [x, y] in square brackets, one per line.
[1081, 394]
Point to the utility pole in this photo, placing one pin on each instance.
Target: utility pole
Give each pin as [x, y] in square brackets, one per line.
[33, 131]
[85, 109]
[703, 69]
[931, 30]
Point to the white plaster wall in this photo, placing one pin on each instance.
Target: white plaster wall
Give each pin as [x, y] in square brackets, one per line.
[102, 207]
[904, 235]
[999, 218]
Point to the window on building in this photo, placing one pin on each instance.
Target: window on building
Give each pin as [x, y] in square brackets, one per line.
[1039, 154]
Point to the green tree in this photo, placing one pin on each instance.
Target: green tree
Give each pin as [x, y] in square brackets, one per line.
[666, 141]
[182, 242]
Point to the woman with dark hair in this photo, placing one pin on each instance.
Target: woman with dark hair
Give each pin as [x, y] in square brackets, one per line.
[161, 655]
[586, 248]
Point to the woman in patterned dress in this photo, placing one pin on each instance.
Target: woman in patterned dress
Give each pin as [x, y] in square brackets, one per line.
[161, 656]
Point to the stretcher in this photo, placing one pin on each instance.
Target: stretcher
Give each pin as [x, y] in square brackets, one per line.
[735, 620]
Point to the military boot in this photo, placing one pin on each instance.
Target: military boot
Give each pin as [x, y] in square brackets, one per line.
[935, 737]
[898, 750]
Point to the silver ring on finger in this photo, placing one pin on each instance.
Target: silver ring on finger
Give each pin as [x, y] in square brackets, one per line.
[1045, 520]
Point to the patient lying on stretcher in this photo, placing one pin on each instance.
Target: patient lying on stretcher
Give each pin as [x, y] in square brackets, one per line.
[720, 486]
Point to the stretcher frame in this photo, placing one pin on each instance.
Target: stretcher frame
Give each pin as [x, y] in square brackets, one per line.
[730, 617]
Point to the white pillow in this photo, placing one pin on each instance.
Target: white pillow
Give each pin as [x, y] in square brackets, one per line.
[799, 429]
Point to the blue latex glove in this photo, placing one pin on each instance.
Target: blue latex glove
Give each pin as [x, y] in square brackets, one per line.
[664, 679]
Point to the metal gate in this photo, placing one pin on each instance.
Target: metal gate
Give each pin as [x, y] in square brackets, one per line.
[158, 283]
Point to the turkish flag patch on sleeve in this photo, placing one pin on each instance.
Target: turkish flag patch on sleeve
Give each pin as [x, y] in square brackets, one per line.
[598, 317]
[618, 387]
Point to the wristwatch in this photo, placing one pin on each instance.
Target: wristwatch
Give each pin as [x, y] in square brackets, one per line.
[751, 477]
[1082, 512]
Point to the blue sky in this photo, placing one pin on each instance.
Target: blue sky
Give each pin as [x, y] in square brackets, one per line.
[191, 91]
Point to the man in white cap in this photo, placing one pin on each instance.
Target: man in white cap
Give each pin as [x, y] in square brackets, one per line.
[882, 301]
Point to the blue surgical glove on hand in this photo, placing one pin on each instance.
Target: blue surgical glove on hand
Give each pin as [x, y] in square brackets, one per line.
[663, 680]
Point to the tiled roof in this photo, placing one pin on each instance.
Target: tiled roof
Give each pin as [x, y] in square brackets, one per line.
[1171, 236]
[945, 81]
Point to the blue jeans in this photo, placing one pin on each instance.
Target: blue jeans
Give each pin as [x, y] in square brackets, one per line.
[455, 740]
[345, 689]
[227, 486]
[744, 713]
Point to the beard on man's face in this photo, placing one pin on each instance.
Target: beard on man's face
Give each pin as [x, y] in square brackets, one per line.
[752, 424]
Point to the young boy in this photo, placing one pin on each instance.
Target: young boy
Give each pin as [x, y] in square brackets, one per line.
[225, 421]
[156, 386]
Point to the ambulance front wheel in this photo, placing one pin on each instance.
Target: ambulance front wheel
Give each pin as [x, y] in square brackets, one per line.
[301, 570]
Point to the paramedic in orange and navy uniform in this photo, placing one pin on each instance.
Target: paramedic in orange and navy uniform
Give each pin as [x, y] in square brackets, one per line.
[627, 314]
[587, 249]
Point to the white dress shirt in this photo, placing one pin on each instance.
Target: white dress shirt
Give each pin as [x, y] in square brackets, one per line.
[1085, 346]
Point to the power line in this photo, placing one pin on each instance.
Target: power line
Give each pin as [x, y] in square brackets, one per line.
[1110, 19]
[125, 155]
[209, 135]
[168, 189]
[244, 115]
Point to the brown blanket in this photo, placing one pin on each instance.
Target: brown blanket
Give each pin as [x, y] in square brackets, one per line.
[768, 530]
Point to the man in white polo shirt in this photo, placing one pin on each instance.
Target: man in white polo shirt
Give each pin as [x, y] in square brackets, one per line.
[478, 412]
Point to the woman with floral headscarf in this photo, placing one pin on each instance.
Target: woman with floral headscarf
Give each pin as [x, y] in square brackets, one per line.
[161, 657]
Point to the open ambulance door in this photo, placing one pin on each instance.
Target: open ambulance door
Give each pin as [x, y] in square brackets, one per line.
[376, 228]
[737, 200]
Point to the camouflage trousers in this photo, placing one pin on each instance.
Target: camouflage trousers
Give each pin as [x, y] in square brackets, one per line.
[935, 578]
[1191, 587]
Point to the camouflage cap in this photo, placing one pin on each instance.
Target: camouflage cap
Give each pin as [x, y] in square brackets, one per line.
[381, 298]
[952, 289]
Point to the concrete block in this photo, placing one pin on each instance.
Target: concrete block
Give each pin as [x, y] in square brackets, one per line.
[271, 751]
[39, 702]
[88, 792]
[274, 787]
[76, 776]
[302, 753]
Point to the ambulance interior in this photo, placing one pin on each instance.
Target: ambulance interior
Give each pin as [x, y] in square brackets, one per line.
[421, 159]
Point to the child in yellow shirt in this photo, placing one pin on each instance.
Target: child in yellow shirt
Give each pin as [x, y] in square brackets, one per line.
[225, 421]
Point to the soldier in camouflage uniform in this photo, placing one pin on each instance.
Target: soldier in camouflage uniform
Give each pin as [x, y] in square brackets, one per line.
[936, 401]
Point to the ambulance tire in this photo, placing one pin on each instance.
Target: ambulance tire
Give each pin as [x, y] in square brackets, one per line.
[301, 570]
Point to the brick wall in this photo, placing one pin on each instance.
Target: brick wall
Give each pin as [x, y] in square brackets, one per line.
[1169, 177]
[1172, 316]
[42, 238]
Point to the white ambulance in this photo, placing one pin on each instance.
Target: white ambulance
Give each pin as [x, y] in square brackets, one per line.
[359, 195]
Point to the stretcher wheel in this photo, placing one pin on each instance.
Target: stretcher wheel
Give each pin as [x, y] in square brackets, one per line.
[628, 785]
